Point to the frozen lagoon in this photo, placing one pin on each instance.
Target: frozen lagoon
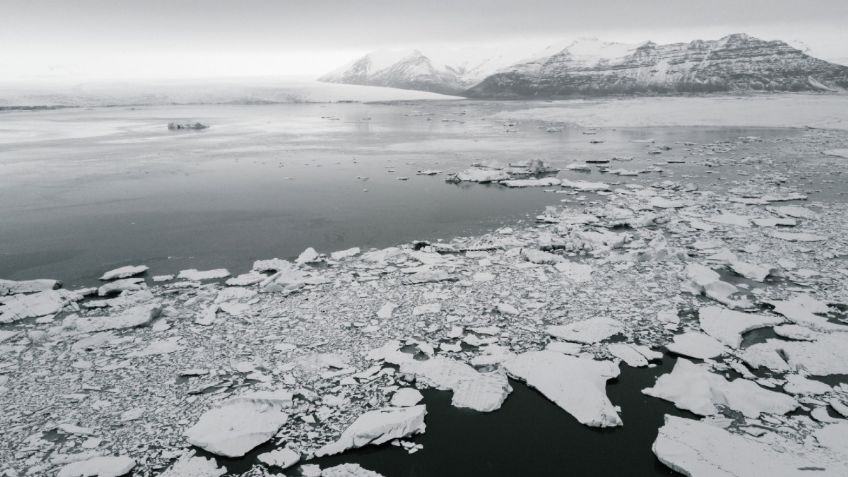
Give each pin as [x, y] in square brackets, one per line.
[269, 340]
[85, 190]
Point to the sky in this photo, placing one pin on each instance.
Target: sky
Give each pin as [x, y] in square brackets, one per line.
[176, 39]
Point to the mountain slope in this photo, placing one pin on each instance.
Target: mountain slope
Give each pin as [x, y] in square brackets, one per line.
[589, 67]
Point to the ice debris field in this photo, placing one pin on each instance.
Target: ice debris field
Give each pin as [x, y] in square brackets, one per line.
[327, 352]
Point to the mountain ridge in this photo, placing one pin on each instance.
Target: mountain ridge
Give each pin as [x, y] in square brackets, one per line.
[590, 67]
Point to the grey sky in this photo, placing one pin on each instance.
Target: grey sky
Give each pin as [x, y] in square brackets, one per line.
[309, 36]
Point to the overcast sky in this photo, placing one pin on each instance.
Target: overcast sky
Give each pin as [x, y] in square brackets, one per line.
[88, 39]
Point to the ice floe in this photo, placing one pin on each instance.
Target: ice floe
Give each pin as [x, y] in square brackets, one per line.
[694, 388]
[699, 449]
[576, 384]
[378, 427]
[240, 424]
[588, 331]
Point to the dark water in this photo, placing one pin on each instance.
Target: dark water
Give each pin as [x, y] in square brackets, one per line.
[528, 436]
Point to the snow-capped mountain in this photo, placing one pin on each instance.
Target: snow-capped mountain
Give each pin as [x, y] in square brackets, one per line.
[588, 67]
[440, 70]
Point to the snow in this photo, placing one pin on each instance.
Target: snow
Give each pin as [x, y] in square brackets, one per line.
[12, 287]
[588, 331]
[197, 275]
[378, 427]
[124, 272]
[483, 392]
[698, 449]
[576, 384]
[106, 466]
[237, 426]
[19, 307]
[728, 326]
[694, 388]
[696, 345]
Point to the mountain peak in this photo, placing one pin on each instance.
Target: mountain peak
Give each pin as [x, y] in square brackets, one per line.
[590, 66]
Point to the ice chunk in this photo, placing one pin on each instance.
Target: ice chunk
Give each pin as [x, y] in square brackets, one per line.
[190, 466]
[823, 357]
[19, 307]
[802, 309]
[728, 326]
[796, 384]
[588, 331]
[131, 318]
[197, 275]
[282, 458]
[540, 257]
[544, 182]
[585, 186]
[348, 470]
[310, 255]
[105, 466]
[694, 388]
[427, 309]
[696, 345]
[11, 287]
[477, 174]
[378, 427]
[385, 311]
[343, 254]
[795, 211]
[576, 272]
[271, 265]
[124, 284]
[238, 425]
[634, 355]
[730, 219]
[764, 355]
[426, 276]
[125, 272]
[482, 392]
[699, 449]
[703, 280]
[798, 236]
[405, 397]
[577, 385]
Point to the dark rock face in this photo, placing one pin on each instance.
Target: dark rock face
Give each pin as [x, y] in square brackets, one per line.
[735, 63]
[732, 64]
